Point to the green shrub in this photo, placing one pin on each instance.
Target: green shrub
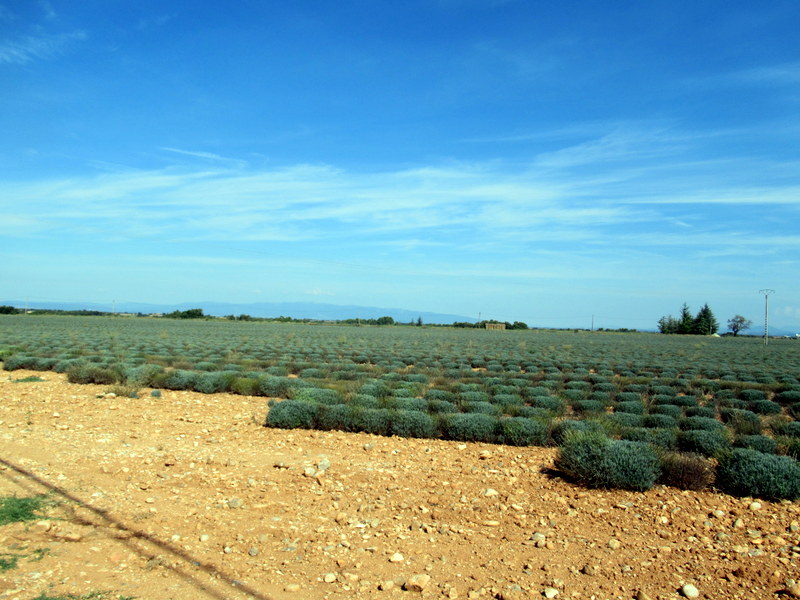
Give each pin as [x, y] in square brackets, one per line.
[484, 408]
[519, 431]
[406, 403]
[636, 388]
[292, 414]
[470, 427]
[662, 390]
[336, 417]
[441, 407]
[312, 373]
[658, 437]
[412, 424]
[789, 446]
[214, 382]
[417, 378]
[364, 401]
[662, 399]
[507, 400]
[705, 386]
[604, 398]
[563, 428]
[629, 397]
[549, 403]
[274, 387]
[90, 373]
[732, 403]
[144, 375]
[634, 407]
[762, 443]
[377, 388]
[179, 379]
[685, 401]
[765, 407]
[701, 411]
[605, 386]
[746, 472]
[588, 406]
[465, 397]
[435, 394]
[403, 392]
[750, 395]
[245, 386]
[743, 422]
[792, 429]
[318, 395]
[667, 409]
[788, 397]
[573, 395]
[686, 471]
[62, 366]
[794, 410]
[377, 421]
[535, 391]
[624, 419]
[18, 361]
[703, 441]
[533, 412]
[344, 375]
[596, 461]
[701, 423]
[578, 384]
[660, 421]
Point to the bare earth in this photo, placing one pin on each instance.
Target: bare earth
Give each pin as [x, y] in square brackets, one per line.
[189, 496]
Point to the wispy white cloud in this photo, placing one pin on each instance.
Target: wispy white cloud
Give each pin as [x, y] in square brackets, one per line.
[206, 156]
[577, 213]
[48, 10]
[154, 21]
[781, 74]
[32, 48]
[787, 195]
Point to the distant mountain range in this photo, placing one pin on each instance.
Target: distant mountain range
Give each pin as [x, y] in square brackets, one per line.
[296, 310]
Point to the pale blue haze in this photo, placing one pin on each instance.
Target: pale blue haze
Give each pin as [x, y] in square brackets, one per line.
[534, 161]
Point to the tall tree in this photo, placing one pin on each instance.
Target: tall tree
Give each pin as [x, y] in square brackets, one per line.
[668, 324]
[705, 323]
[686, 320]
[739, 323]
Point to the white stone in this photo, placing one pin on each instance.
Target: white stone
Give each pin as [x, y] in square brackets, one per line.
[689, 591]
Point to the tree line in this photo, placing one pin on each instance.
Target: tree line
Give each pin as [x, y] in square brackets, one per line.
[703, 323]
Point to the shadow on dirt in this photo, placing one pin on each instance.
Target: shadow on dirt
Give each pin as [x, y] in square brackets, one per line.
[137, 541]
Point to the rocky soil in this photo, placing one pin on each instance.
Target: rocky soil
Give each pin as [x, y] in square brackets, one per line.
[189, 496]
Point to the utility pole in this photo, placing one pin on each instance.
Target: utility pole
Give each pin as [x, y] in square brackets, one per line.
[766, 293]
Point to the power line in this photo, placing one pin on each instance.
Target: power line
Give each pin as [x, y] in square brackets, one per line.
[766, 293]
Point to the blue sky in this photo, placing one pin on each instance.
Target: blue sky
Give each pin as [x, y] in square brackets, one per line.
[535, 161]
